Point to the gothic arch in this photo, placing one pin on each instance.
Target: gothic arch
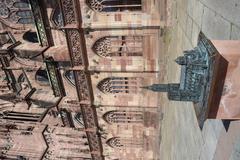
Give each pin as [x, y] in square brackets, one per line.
[69, 75]
[42, 77]
[118, 46]
[122, 142]
[57, 17]
[30, 37]
[115, 142]
[122, 116]
[115, 85]
[114, 5]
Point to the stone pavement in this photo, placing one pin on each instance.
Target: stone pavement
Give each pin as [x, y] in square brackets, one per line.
[181, 138]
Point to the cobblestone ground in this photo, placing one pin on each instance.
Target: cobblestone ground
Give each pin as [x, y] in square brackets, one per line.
[181, 138]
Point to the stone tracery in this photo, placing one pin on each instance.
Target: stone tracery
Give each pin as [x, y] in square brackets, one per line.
[122, 116]
[117, 85]
[114, 5]
[118, 46]
[124, 142]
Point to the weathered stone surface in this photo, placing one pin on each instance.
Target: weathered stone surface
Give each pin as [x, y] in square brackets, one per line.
[235, 32]
[214, 25]
[229, 9]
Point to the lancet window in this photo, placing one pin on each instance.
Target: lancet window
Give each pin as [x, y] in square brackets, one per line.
[30, 37]
[42, 77]
[57, 17]
[121, 142]
[123, 116]
[119, 46]
[117, 85]
[69, 75]
[115, 5]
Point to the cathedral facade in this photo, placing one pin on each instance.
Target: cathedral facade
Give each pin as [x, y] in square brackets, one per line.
[72, 73]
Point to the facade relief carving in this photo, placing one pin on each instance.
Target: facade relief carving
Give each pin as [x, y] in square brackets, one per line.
[74, 40]
[68, 10]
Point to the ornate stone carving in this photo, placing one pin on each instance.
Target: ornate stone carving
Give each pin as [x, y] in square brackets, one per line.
[93, 137]
[95, 5]
[115, 142]
[68, 10]
[82, 85]
[123, 116]
[115, 85]
[117, 46]
[102, 47]
[89, 116]
[74, 42]
[94, 141]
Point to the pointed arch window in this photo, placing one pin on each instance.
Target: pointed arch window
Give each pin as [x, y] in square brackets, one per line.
[30, 37]
[70, 77]
[57, 17]
[115, 5]
[118, 46]
[123, 116]
[117, 85]
[42, 77]
[121, 142]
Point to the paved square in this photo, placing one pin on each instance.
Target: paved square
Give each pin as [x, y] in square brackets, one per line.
[181, 137]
